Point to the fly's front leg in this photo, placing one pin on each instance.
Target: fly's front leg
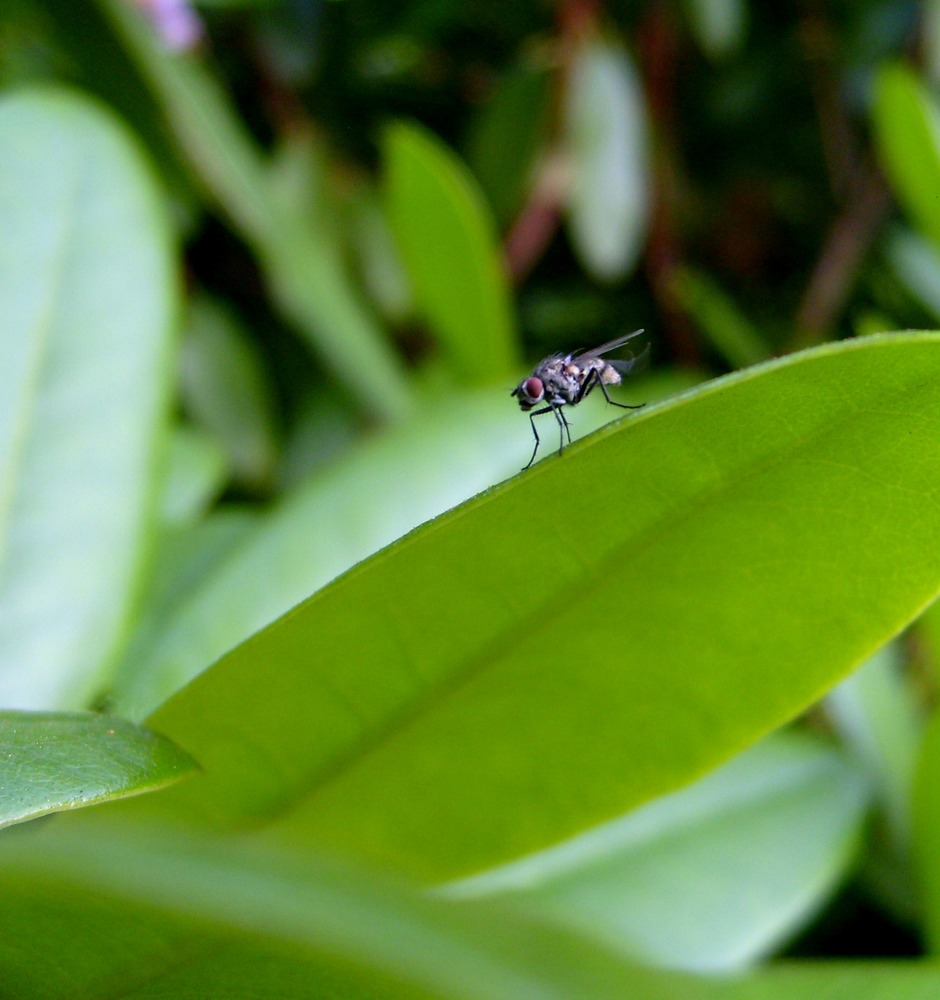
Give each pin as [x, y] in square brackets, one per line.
[562, 430]
[532, 416]
[536, 433]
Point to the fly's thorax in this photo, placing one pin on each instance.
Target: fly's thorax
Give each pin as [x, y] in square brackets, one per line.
[563, 386]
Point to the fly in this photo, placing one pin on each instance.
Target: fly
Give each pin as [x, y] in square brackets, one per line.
[565, 379]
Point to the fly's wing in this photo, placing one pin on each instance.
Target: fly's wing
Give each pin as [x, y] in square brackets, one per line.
[611, 345]
[635, 363]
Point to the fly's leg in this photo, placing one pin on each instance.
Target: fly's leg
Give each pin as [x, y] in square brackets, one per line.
[562, 430]
[532, 417]
[595, 379]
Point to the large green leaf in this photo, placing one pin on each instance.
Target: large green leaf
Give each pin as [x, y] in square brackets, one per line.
[86, 308]
[595, 632]
[50, 761]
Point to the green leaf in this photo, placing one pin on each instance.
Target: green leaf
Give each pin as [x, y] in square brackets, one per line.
[50, 761]
[186, 557]
[139, 913]
[907, 133]
[876, 712]
[508, 134]
[605, 126]
[197, 473]
[773, 830]
[916, 261]
[450, 249]
[719, 318]
[379, 262]
[87, 290]
[718, 25]
[227, 390]
[926, 848]
[595, 632]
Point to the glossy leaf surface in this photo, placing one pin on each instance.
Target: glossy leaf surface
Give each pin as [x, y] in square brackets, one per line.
[595, 632]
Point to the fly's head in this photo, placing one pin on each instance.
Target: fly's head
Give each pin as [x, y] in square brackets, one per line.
[530, 392]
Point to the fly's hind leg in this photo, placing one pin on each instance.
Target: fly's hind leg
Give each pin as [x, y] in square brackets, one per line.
[563, 428]
[595, 379]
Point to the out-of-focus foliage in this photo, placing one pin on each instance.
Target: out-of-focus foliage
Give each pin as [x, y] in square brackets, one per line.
[269, 272]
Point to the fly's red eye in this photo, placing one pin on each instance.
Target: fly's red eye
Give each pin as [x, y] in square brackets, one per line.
[533, 387]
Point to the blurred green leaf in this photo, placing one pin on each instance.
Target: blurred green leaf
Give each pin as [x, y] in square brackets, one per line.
[907, 133]
[52, 761]
[916, 261]
[718, 25]
[605, 127]
[307, 281]
[729, 331]
[595, 632]
[86, 306]
[773, 830]
[872, 321]
[930, 38]
[508, 134]
[876, 713]
[196, 474]
[228, 392]
[92, 57]
[888, 979]
[927, 833]
[143, 914]
[186, 556]
[379, 262]
[148, 912]
[451, 253]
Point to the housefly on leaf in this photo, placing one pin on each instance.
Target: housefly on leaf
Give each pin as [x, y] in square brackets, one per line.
[565, 379]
